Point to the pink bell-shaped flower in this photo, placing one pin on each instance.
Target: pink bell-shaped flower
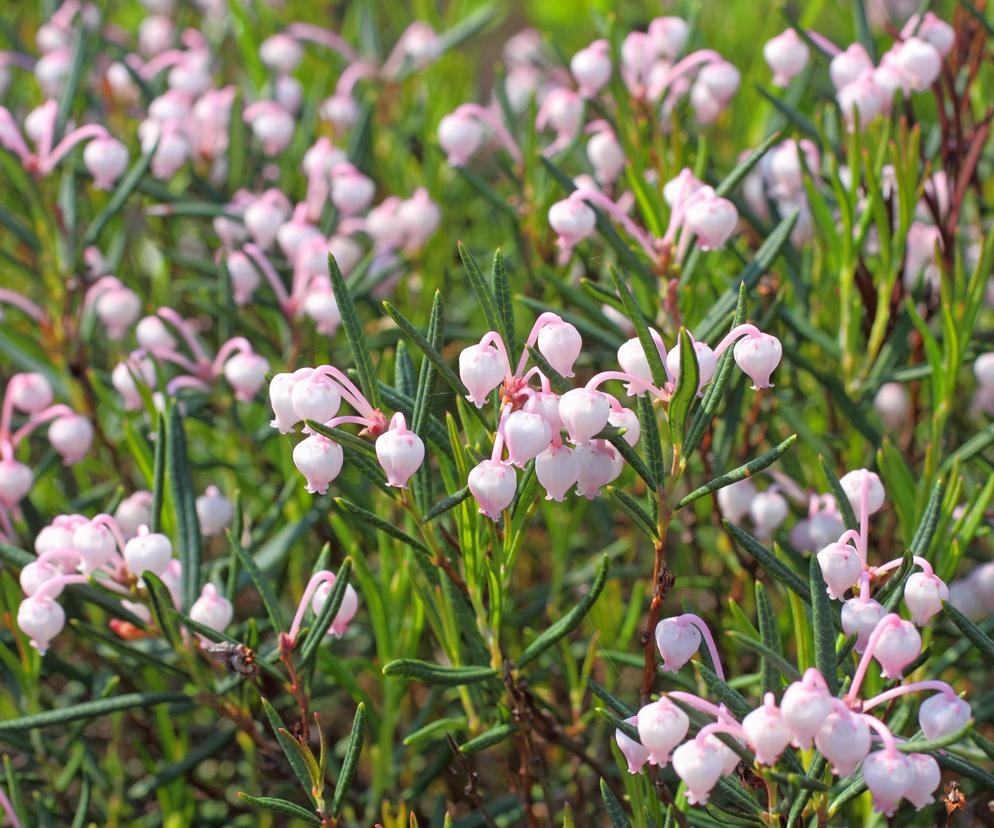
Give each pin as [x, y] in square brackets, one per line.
[245, 279]
[584, 413]
[735, 499]
[36, 573]
[787, 55]
[272, 126]
[152, 334]
[30, 392]
[71, 435]
[636, 755]
[55, 536]
[560, 343]
[898, 644]
[606, 156]
[481, 368]
[591, 68]
[246, 373]
[767, 732]
[768, 510]
[148, 552]
[556, 469]
[95, 545]
[925, 778]
[860, 617]
[320, 306]
[281, 400]
[942, 714]
[699, 764]
[460, 135]
[852, 485]
[351, 191]
[15, 482]
[661, 726]
[319, 460]
[758, 355]
[493, 484]
[545, 404]
[628, 420]
[863, 96]
[315, 397]
[526, 436]
[706, 362]
[573, 220]
[41, 619]
[400, 452]
[924, 596]
[804, 706]
[214, 512]
[281, 53]
[677, 639]
[212, 609]
[117, 308]
[918, 61]
[106, 159]
[849, 65]
[843, 739]
[347, 610]
[134, 512]
[711, 218]
[888, 775]
[841, 566]
[597, 464]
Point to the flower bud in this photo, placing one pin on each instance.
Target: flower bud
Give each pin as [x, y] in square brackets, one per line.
[264, 217]
[924, 596]
[41, 619]
[51, 71]
[632, 359]
[526, 435]
[860, 617]
[272, 126]
[54, 536]
[767, 732]
[669, 35]
[841, 567]
[843, 739]
[281, 53]
[36, 573]
[560, 343]
[942, 714]
[925, 779]
[71, 436]
[546, 404]
[493, 484]
[936, 32]
[315, 397]
[245, 279]
[212, 609]
[823, 528]
[606, 156]
[124, 383]
[893, 404]
[246, 373]
[481, 368]
[341, 111]
[865, 96]
[460, 136]
[400, 452]
[721, 79]
[419, 218]
[321, 306]
[346, 611]
[591, 68]
[117, 309]
[573, 220]
[662, 726]
[106, 159]
[758, 355]
[699, 764]
[888, 775]
[636, 755]
[15, 482]
[918, 61]
[30, 392]
[852, 485]
[584, 413]
[627, 419]
[557, 471]
[804, 706]
[562, 110]
[768, 511]
[597, 464]
[172, 151]
[148, 552]
[846, 67]
[787, 55]
[706, 362]
[677, 640]
[281, 400]
[214, 512]
[898, 644]
[319, 460]
[152, 334]
[712, 219]
[95, 545]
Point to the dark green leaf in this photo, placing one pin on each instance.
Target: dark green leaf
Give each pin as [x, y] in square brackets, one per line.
[437, 674]
[184, 505]
[746, 470]
[685, 392]
[353, 332]
[281, 806]
[823, 627]
[770, 562]
[637, 318]
[351, 760]
[90, 710]
[319, 628]
[488, 739]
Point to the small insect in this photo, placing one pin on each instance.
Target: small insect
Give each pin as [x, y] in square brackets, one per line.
[236, 657]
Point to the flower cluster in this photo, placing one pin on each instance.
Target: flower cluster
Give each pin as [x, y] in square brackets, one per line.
[532, 420]
[841, 728]
[69, 433]
[316, 394]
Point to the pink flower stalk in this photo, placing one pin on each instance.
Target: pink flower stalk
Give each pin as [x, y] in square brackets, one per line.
[315, 596]
[787, 55]
[46, 157]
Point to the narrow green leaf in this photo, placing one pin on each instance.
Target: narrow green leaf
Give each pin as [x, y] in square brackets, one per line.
[291, 748]
[488, 739]
[280, 806]
[438, 727]
[634, 510]
[685, 392]
[770, 562]
[614, 810]
[175, 770]
[746, 470]
[158, 474]
[720, 691]
[262, 583]
[426, 376]
[125, 188]
[841, 498]
[770, 633]
[319, 628]
[381, 525]
[354, 333]
[569, 621]
[79, 820]
[447, 504]
[505, 305]
[437, 674]
[823, 627]
[418, 339]
[89, 710]
[484, 295]
[612, 701]
[651, 440]
[637, 318]
[161, 603]
[351, 761]
[184, 505]
[778, 665]
[976, 636]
